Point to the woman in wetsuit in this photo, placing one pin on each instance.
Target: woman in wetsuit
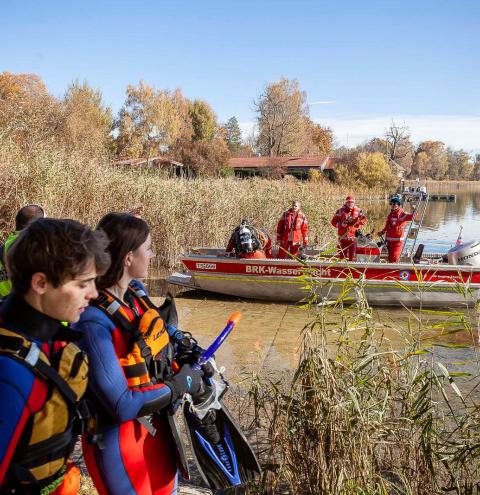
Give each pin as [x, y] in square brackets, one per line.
[131, 372]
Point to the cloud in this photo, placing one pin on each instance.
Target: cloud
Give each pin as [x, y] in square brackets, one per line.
[457, 131]
[322, 102]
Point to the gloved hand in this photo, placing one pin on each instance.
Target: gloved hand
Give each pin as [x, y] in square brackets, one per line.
[187, 381]
[344, 224]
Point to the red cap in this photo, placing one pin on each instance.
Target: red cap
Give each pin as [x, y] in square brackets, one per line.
[350, 198]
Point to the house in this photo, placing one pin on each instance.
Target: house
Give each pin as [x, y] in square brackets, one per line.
[298, 166]
[172, 167]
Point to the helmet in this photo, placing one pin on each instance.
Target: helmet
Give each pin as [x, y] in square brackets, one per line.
[395, 199]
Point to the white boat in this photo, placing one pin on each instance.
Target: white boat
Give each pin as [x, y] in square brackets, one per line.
[420, 281]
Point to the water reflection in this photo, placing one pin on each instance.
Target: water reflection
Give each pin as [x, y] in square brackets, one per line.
[442, 220]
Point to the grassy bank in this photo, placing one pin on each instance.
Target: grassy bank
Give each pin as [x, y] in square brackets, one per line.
[182, 213]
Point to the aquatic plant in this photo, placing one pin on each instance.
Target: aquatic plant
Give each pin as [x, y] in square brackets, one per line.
[358, 416]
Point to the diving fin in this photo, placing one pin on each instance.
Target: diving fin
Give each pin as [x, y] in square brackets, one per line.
[222, 453]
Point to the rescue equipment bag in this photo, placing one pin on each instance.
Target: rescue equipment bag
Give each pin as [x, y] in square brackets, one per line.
[142, 366]
[49, 436]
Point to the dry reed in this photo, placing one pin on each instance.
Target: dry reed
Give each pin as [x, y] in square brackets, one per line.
[181, 213]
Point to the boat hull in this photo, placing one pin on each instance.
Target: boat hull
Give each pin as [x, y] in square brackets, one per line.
[382, 284]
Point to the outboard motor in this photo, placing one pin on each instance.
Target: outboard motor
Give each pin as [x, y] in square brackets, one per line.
[246, 239]
[465, 254]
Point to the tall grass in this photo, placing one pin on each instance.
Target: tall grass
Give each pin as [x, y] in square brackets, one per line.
[181, 213]
[357, 416]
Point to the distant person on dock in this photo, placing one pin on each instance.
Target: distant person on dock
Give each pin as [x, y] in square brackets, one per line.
[348, 220]
[248, 241]
[25, 215]
[395, 228]
[292, 231]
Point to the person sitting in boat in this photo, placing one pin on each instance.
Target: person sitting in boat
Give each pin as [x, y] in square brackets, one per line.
[292, 231]
[348, 220]
[247, 241]
[395, 228]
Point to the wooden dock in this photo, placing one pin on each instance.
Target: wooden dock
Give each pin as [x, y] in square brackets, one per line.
[446, 198]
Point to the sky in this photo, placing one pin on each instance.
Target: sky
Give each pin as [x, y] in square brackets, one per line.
[363, 64]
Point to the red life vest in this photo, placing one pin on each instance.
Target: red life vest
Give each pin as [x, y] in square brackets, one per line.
[348, 221]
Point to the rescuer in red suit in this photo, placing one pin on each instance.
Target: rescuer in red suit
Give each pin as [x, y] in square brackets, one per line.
[292, 231]
[395, 229]
[348, 220]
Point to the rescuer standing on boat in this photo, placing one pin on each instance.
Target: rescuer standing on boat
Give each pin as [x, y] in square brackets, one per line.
[395, 228]
[348, 220]
[292, 231]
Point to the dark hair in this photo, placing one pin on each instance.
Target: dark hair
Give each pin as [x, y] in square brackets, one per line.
[27, 214]
[61, 249]
[125, 233]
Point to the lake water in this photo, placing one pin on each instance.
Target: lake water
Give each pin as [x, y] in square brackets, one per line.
[269, 334]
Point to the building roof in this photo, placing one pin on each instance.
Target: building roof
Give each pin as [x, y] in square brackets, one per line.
[322, 163]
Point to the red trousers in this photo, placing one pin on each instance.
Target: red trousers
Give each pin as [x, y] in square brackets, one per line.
[394, 250]
[347, 248]
[290, 247]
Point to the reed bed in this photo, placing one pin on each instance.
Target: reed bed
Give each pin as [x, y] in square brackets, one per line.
[181, 213]
[359, 417]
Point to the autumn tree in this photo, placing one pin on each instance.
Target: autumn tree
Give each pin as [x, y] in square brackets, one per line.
[430, 160]
[398, 147]
[29, 115]
[203, 157]
[370, 169]
[88, 123]
[233, 135]
[460, 165]
[151, 120]
[204, 121]
[321, 139]
[281, 110]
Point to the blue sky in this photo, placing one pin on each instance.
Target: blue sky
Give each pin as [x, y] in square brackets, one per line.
[366, 62]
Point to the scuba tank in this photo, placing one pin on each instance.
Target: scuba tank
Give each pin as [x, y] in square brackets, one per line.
[246, 239]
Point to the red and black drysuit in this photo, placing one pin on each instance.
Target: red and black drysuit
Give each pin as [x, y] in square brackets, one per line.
[395, 232]
[292, 232]
[348, 221]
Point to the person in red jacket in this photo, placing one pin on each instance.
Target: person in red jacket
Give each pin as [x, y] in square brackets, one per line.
[292, 231]
[348, 220]
[395, 229]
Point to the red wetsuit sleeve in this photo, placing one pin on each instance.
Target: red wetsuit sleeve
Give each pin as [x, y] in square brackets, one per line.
[22, 394]
[304, 229]
[336, 219]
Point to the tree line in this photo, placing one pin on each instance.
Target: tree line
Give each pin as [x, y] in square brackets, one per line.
[154, 122]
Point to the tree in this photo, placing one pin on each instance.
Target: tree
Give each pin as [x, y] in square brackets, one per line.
[399, 148]
[29, 115]
[233, 135]
[151, 120]
[459, 165]
[203, 157]
[281, 111]
[322, 139]
[370, 169]
[373, 170]
[88, 122]
[204, 121]
[430, 160]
